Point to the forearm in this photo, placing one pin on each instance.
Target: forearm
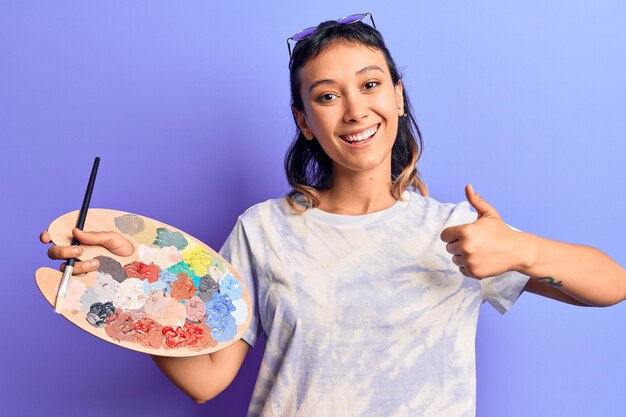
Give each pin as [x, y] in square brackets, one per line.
[203, 377]
[583, 272]
[195, 375]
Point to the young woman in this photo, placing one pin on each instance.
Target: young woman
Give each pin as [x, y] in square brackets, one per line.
[367, 289]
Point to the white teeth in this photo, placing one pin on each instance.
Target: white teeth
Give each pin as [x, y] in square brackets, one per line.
[362, 135]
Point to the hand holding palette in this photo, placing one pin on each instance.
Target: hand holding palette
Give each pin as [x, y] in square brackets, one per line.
[174, 296]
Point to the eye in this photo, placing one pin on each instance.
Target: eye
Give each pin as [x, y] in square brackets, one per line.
[370, 85]
[327, 97]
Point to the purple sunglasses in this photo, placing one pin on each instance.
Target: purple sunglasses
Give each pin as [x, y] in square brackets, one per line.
[305, 33]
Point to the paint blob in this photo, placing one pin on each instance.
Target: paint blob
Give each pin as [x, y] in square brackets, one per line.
[181, 267]
[208, 287]
[147, 236]
[75, 291]
[175, 314]
[241, 311]
[162, 257]
[222, 323]
[156, 304]
[183, 288]
[129, 223]
[112, 267]
[101, 291]
[130, 295]
[149, 333]
[216, 273]
[167, 278]
[140, 270]
[198, 259]
[99, 313]
[121, 326]
[166, 237]
[159, 285]
[231, 287]
[225, 329]
[187, 335]
[196, 310]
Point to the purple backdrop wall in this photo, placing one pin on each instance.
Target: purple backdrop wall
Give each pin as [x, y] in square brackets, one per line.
[187, 104]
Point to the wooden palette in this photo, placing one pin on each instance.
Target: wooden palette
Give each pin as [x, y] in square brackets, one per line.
[174, 296]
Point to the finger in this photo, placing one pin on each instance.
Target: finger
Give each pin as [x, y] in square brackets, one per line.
[464, 272]
[44, 237]
[64, 265]
[458, 260]
[454, 248]
[450, 234]
[64, 252]
[112, 241]
[82, 267]
[481, 206]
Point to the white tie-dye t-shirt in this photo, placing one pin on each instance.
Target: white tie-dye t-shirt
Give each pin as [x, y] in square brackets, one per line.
[364, 315]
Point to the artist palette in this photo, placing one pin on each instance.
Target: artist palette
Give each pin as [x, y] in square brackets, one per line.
[174, 296]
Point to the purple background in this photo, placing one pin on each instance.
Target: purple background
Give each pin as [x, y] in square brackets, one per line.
[188, 106]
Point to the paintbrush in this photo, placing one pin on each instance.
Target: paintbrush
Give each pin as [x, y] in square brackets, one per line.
[67, 274]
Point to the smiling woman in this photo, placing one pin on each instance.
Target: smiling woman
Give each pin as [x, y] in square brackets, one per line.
[347, 96]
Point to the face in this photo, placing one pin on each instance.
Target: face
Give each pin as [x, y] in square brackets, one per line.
[351, 106]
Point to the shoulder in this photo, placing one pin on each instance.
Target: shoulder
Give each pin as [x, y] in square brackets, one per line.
[434, 210]
[449, 213]
[273, 209]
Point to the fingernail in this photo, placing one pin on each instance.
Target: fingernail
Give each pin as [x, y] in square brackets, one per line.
[76, 251]
[93, 263]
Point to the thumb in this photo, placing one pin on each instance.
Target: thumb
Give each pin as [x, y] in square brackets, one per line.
[114, 242]
[481, 206]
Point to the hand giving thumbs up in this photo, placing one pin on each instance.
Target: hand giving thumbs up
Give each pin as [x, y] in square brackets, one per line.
[486, 247]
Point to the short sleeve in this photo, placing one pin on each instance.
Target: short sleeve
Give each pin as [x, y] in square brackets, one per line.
[236, 251]
[501, 291]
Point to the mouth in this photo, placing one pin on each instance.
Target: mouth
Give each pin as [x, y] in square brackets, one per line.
[360, 137]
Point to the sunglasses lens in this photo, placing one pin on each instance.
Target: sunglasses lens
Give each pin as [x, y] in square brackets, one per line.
[304, 33]
[352, 18]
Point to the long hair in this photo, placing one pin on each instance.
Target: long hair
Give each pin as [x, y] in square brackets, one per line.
[308, 167]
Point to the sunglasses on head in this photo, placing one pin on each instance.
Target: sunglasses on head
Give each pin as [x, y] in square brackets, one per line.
[305, 33]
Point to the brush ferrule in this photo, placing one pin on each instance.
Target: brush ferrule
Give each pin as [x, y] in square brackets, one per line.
[65, 282]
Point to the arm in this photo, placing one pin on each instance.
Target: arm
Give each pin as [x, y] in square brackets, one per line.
[200, 377]
[581, 273]
[538, 287]
[203, 377]
[575, 274]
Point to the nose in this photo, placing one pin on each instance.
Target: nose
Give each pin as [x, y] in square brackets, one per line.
[356, 108]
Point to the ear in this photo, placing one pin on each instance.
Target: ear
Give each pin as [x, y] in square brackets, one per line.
[302, 123]
[399, 98]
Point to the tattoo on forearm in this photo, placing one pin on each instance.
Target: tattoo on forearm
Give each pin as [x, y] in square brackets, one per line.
[550, 281]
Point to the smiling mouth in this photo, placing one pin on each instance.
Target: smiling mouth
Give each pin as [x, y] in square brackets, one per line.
[360, 136]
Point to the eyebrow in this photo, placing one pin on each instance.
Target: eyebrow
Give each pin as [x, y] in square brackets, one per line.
[359, 72]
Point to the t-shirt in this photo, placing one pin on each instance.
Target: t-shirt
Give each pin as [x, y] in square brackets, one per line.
[364, 315]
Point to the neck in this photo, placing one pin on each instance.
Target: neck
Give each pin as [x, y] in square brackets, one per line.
[358, 193]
